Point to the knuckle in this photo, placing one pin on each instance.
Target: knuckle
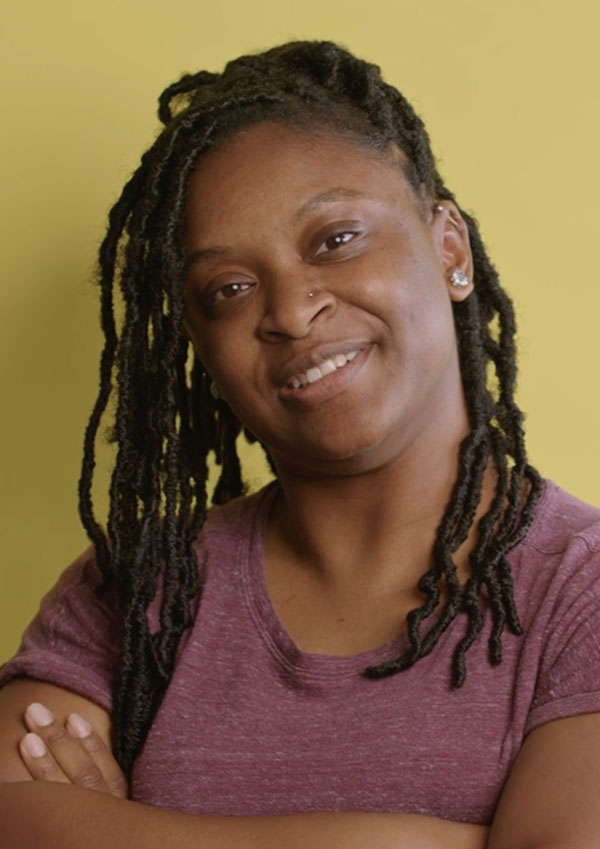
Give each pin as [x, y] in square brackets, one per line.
[56, 736]
[90, 778]
[92, 744]
[46, 767]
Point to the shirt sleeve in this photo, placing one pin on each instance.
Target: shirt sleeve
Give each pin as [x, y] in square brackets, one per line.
[73, 641]
[568, 681]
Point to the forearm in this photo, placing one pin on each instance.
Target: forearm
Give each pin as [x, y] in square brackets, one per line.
[66, 817]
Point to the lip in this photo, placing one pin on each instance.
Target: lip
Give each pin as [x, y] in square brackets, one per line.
[329, 385]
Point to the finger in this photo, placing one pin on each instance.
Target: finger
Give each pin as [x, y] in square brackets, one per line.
[38, 760]
[71, 758]
[102, 756]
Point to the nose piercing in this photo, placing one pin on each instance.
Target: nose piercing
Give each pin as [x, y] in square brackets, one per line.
[311, 294]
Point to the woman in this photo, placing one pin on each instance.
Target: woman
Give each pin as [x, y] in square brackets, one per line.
[289, 224]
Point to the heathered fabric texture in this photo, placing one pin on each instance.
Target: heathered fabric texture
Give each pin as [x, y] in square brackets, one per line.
[252, 725]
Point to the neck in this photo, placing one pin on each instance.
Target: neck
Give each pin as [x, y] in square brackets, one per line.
[368, 526]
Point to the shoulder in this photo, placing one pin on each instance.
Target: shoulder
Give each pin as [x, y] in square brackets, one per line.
[560, 519]
[556, 571]
[556, 568]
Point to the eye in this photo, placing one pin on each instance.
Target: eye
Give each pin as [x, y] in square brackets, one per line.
[227, 291]
[338, 241]
[335, 241]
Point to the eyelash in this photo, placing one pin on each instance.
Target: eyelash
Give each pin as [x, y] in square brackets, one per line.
[219, 295]
[340, 234]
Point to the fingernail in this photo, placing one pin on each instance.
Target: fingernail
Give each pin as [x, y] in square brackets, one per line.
[34, 745]
[78, 726]
[39, 714]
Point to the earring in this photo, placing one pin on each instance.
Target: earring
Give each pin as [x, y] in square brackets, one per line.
[214, 390]
[439, 208]
[459, 279]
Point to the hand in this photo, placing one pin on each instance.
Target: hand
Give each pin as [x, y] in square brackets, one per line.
[69, 754]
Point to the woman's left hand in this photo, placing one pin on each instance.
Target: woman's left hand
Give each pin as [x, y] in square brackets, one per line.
[69, 754]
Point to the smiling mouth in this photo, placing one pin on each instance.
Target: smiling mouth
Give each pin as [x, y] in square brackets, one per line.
[312, 375]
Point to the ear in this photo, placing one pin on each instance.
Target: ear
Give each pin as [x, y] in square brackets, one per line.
[451, 235]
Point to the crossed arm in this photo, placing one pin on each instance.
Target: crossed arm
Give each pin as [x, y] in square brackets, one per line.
[551, 800]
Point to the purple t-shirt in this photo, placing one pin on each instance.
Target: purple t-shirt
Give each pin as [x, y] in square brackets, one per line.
[252, 725]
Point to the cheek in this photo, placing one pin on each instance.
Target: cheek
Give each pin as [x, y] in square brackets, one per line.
[213, 344]
[235, 369]
[418, 319]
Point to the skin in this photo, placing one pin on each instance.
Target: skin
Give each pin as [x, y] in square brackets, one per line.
[378, 269]
[375, 263]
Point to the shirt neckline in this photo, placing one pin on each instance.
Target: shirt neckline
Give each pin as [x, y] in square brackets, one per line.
[281, 645]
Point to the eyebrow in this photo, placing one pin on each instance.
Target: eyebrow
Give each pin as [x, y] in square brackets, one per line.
[205, 254]
[329, 196]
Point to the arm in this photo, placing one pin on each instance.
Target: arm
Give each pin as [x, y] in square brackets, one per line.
[552, 797]
[71, 817]
[35, 813]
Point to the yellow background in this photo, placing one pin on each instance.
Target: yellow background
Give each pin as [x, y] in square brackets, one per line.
[509, 91]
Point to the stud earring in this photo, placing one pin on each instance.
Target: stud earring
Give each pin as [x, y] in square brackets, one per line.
[214, 390]
[459, 279]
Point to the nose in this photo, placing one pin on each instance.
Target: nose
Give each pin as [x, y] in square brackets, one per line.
[292, 306]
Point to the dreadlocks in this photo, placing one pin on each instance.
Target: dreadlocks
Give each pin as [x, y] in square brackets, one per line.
[166, 421]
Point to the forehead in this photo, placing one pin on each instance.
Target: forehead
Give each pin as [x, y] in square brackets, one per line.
[272, 167]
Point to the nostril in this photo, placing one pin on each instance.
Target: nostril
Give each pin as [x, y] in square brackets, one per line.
[291, 311]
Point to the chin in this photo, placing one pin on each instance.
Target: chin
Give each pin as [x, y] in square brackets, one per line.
[337, 458]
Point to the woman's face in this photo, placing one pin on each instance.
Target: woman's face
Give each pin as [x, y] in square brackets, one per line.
[317, 297]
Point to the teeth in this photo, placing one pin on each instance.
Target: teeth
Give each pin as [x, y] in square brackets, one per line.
[311, 375]
[328, 366]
